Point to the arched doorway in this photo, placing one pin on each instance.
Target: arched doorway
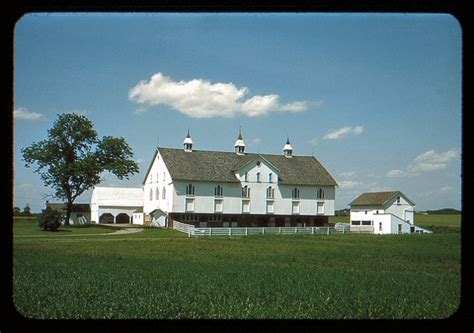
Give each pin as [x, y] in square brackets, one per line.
[122, 218]
[106, 218]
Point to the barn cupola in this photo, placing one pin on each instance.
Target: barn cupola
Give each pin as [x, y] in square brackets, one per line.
[288, 149]
[188, 143]
[239, 145]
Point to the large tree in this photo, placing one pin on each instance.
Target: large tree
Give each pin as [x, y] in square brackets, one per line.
[73, 158]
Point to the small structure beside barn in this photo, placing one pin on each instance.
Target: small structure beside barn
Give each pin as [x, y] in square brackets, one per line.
[115, 204]
[383, 213]
[80, 214]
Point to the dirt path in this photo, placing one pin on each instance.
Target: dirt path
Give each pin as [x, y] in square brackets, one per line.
[124, 231]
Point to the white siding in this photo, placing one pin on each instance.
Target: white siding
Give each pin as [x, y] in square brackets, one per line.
[399, 209]
[158, 177]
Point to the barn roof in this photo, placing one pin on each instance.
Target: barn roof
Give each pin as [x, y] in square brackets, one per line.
[377, 198]
[76, 208]
[117, 196]
[216, 166]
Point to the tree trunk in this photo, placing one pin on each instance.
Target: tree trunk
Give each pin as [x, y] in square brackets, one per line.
[68, 211]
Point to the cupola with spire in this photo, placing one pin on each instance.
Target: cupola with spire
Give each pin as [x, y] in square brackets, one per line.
[288, 149]
[188, 143]
[239, 144]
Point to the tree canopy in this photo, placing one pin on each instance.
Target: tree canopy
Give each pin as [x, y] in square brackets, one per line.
[73, 157]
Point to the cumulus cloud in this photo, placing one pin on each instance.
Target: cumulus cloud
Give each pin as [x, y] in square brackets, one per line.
[426, 162]
[24, 114]
[202, 99]
[343, 132]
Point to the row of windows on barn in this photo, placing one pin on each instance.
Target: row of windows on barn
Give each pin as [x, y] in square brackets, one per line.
[219, 192]
[258, 178]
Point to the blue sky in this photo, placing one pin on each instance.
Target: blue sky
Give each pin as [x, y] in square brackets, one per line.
[375, 97]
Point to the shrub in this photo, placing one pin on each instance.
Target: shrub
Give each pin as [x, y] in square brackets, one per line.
[50, 219]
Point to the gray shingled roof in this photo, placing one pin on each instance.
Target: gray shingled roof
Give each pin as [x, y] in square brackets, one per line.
[376, 198]
[218, 166]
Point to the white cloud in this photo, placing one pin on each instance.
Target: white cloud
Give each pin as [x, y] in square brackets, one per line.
[256, 142]
[426, 162]
[24, 114]
[446, 189]
[343, 132]
[202, 99]
[348, 174]
[349, 184]
[396, 173]
[314, 141]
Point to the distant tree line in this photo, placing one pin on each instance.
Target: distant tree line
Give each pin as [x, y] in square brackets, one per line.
[444, 211]
[26, 211]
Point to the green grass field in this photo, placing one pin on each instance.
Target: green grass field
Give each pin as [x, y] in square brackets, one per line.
[162, 274]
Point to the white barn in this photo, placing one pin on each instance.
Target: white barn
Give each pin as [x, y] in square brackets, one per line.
[220, 189]
[115, 204]
[383, 213]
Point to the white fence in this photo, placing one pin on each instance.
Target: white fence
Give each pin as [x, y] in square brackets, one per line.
[242, 231]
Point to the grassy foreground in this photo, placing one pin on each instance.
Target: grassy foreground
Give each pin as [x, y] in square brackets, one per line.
[162, 274]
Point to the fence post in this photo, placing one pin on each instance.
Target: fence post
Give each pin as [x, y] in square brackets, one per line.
[263, 231]
[210, 231]
[296, 230]
[279, 230]
[230, 231]
[189, 232]
[344, 230]
[246, 231]
[312, 230]
[328, 230]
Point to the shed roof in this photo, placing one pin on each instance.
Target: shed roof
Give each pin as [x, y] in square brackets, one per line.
[76, 208]
[377, 198]
[216, 166]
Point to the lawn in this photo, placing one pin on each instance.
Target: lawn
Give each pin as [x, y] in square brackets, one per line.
[162, 274]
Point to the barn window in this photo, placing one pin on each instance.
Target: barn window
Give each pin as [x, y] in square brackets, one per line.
[355, 222]
[380, 226]
[270, 176]
[151, 194]
[320, 194]
[245, 192]
[246, 176]
[163, 193]
[398, 200]
[270, 192]
[366, 222]
[258, 176]
[218, 191]
[295, 193]
[157, 194]
[190, 189]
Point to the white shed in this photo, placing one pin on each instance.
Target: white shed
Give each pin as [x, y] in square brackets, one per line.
[383, 213]
[115, 204]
